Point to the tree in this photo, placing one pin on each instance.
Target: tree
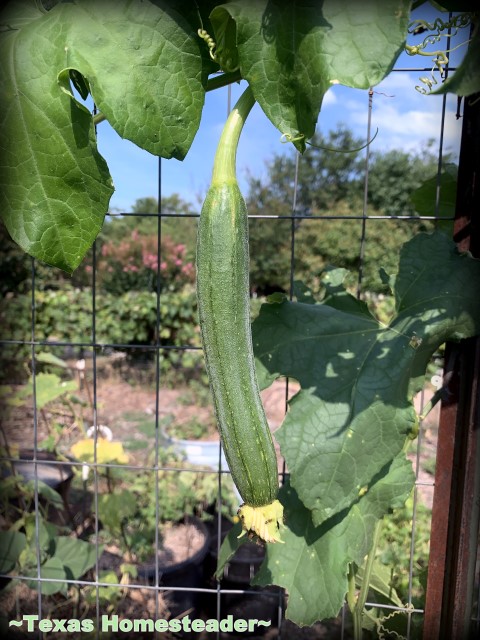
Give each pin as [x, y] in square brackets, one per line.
[394, 176]
[347, 465]
[330, 171]
[330, 187]
[179, 222]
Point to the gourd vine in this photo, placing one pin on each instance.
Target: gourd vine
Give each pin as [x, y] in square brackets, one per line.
[204, 35]
[288, 137]
[225, 62]
[343, 434]
[443, 29]
[385, 633]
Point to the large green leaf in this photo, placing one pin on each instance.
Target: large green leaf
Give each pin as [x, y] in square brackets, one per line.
[12, 543]
[68, 559]
[381, 580]
[292, 52]
[44, 490]
[77, 556]
[320, 555]
[55, 187]
[344, 434]
[358, 377]
[425, 196]
[51, 569]
[22, 12]
[48, 387]
[41, 535]
[230, 545]
[143, 66]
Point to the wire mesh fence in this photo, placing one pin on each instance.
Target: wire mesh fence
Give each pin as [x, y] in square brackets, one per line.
[111, 581]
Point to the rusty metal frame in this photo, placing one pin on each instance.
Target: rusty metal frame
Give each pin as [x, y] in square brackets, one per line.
[456, 502]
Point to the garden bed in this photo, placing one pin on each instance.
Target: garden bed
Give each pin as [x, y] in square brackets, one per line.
[128, 409]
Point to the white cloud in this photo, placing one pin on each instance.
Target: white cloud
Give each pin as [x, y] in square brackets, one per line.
[409, 129]
[401, 83]
[329, 99]
[405, 118]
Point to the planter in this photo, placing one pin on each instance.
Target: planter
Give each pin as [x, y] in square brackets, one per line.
[199, 452]
[56, 476]
[262, 604]
[203, 453]
[186, 573]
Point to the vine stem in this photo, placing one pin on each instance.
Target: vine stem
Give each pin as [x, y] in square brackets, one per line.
[224, 168]
[98, 118]
[367, 574]
[351, 599]
[223, 80]
[357, 605]
[437, 396]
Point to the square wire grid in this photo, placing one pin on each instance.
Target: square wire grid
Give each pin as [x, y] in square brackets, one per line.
[97, 346]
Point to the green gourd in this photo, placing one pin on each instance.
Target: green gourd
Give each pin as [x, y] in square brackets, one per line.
[224, 307]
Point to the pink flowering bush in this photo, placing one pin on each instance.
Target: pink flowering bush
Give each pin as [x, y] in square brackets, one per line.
[135, 264]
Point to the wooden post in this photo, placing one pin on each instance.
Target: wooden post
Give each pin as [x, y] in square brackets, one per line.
[456, 502]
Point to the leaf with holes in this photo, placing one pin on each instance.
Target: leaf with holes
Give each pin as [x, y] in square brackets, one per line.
[141, 62]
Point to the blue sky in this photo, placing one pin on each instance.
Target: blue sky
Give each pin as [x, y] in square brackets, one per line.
[405, 118]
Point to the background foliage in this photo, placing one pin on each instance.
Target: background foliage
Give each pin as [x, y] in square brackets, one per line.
[329, 184]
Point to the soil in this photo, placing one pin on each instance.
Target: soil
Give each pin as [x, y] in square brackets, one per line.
[126, 603]
[179, 542]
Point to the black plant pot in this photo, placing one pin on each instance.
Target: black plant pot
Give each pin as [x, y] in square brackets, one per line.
[58, 476]
[262, 604]
[186, 574]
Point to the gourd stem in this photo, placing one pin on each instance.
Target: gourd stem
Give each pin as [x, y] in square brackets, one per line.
[223, 80]
[224, 165]
[98, 118]
[357, 605]
[351, 595]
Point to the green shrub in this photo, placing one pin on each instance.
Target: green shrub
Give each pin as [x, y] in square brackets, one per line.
[394, 550]
[127, 319]
[131, 264]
